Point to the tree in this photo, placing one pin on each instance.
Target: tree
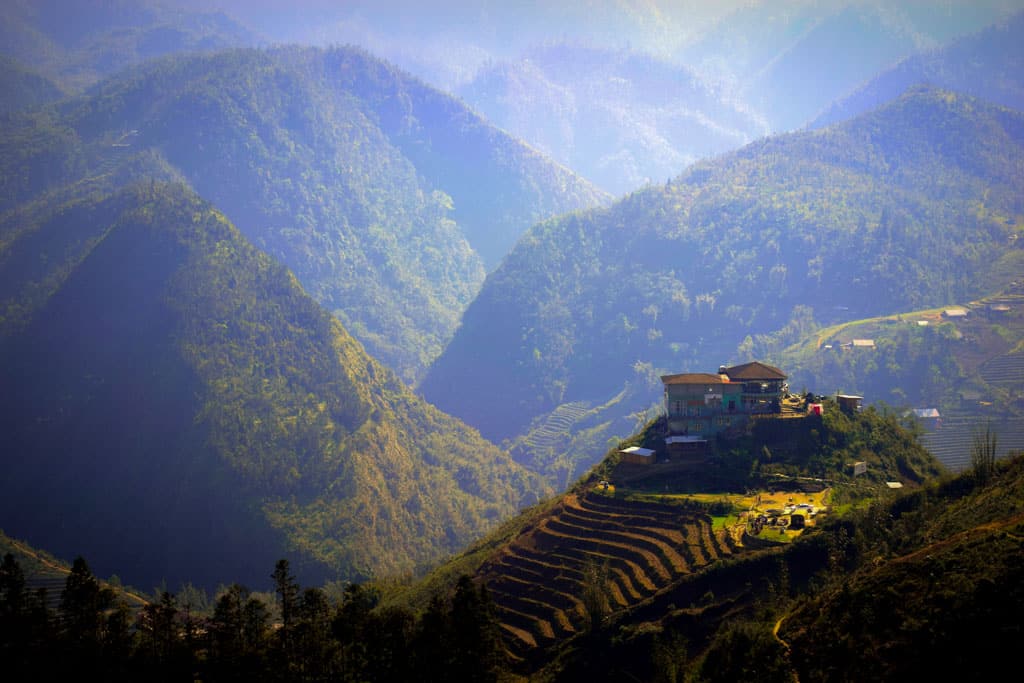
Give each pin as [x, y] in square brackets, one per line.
[475, 640]
[983, 452]
[158, 628]
[238, 630]
[82, 605]
[13, 608]
[287, 589]
[12, 591]
[314, 647]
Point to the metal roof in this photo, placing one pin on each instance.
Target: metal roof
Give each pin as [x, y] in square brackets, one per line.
[755, 370]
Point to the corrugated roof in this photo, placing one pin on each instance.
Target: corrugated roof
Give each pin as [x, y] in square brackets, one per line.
[694, 378]
[754, 371]
[636, 450]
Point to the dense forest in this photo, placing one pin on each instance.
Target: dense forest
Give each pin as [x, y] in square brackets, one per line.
[186, 411]
[386, 198]
[75, 43]
[914, 204]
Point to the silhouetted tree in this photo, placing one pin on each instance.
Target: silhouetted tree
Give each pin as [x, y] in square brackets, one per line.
[287, 589]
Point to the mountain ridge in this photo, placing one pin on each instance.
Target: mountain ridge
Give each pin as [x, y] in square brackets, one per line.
[384, 196]
[209, 408]
[678, 277]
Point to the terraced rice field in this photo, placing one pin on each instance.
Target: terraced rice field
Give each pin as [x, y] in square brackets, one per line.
[951, 443]
[537, 582]
[1006, 370]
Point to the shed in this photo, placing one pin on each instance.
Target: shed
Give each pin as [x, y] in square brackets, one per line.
[864, 343]
[955, 313]
[860, 468]
[849, 402]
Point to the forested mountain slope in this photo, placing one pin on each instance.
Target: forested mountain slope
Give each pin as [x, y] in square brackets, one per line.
[988, 65]
[620, 119]
[78, 42]
[915, 204]
[386, 198]
[23, 88]
[174, 406]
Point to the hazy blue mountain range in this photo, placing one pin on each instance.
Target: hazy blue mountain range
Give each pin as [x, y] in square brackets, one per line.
[176, 407]
[448, 41]
[988, 65]
[77, 42]
[914, 204]
[788, 61]
[620, 119]
[785, 61]
[386, 198]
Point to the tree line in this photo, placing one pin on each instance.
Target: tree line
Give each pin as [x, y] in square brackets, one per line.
[304, 634]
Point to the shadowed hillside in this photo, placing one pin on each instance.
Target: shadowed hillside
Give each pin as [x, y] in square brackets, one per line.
[175, 406]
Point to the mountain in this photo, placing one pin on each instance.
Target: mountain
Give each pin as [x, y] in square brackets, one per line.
[790, 60]
[176, 407]
[911, 205]
[620, 119]
[78, 42]
[23, 88]
[987, 65]
[386, 198]
[448, 41]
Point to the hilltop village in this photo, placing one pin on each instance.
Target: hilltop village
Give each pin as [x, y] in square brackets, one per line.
[735, 464]
[699, 407]
[706, 413]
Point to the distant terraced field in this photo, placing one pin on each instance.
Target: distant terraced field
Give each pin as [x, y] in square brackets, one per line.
[951, 443]
[1005, 370]
[640, 548]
